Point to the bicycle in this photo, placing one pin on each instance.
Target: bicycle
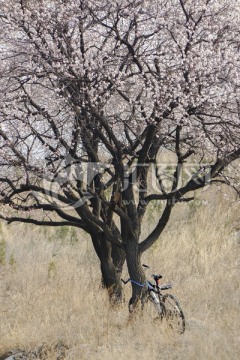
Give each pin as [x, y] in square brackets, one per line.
[167, 305]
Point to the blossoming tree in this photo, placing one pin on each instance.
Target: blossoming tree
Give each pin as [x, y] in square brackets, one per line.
[93, 94]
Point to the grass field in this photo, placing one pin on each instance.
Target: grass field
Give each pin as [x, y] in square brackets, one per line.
[50, 293]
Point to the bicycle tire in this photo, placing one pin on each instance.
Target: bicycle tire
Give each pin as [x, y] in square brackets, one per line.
[173, 313]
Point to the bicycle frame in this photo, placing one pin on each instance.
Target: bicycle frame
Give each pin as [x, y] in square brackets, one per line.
[166, 304]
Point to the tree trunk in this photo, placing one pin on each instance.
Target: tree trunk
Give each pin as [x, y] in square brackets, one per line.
[136, 273]
[118, 258]
[111, 272]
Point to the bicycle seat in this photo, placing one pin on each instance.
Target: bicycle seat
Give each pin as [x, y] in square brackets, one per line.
[156, 276]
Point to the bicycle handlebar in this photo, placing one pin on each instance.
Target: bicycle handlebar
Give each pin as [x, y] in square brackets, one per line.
[125, 281]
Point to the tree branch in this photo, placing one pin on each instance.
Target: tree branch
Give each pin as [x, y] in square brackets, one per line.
[154, 235]
[11, 219]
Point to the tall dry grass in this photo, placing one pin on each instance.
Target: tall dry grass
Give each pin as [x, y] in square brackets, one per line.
[50, 291]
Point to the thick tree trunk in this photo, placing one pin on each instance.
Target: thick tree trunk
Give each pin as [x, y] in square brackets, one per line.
[118, 258]
[136, 273]
[111, 272]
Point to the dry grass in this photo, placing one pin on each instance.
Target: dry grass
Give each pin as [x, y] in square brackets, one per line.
[50, 292]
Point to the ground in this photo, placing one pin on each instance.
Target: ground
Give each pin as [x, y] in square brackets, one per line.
[53, 306]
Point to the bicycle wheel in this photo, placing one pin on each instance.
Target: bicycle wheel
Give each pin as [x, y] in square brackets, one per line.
[173, 313]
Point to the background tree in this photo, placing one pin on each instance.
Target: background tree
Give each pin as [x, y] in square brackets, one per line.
[93, 93]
